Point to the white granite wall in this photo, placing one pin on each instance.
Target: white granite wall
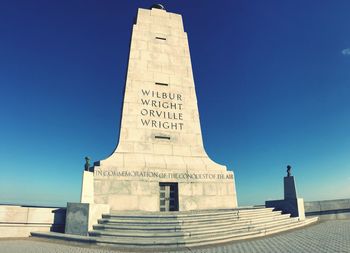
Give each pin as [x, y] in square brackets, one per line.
[160, 128]
[124, 190]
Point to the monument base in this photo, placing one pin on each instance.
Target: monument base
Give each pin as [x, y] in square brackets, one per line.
[293, 206]
[80, 217]
[290, 191]
[164, 190]
[87, 188]
[291, 203]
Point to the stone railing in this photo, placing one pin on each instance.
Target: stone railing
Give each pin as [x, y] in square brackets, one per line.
[19, 221]
[328, 209]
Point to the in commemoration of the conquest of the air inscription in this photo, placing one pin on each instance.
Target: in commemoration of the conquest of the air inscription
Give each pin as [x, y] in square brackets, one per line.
[161, 175]
[161, 110]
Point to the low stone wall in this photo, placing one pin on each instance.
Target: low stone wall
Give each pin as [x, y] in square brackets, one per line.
[328, 209]
[19, 221]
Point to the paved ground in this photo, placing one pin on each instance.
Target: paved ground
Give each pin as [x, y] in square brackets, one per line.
[330, 236]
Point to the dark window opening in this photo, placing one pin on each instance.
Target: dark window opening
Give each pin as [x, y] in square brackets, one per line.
[164, 84]
[162, 137]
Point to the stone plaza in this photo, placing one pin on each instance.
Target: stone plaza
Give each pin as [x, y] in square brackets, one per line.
[325, 237]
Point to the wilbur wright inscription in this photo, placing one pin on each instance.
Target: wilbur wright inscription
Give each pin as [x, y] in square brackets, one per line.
[164, 109]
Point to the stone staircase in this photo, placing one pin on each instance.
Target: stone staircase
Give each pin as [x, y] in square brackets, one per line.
[184, 229]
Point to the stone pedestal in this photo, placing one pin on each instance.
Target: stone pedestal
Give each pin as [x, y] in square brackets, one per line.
[290, 191]
[80, 217]
[293, 206]
[87, 188]
[291, 203]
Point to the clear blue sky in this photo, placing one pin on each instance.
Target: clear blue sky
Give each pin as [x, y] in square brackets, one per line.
[272, 80]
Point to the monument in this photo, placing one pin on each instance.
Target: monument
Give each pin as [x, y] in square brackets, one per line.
[160, 163]
[291, 203]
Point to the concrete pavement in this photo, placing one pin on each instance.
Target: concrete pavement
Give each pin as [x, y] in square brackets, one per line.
[324, 237]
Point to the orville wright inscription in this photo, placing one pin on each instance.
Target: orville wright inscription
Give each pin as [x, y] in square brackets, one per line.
[161, 110]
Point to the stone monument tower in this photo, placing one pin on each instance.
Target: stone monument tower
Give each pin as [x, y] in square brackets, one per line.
[160, 163]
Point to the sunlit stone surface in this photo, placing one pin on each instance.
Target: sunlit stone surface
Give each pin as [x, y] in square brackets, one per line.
[160, 135]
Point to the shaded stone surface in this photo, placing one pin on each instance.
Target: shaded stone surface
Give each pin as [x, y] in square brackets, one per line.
[294, 207]
[290, 191]
[77, 217]
[80, 217]
[328, 209]
[291, 203]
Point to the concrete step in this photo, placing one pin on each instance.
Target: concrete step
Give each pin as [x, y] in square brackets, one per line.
[178, 231]
[193, 241]
[164, 221]
[292, 226]
[186, 215]
[186, 226]
[198, 241]
[190, 233]
[195, 212]
[173, 242]
[263, 232]
[231, 224]
[185, 223]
